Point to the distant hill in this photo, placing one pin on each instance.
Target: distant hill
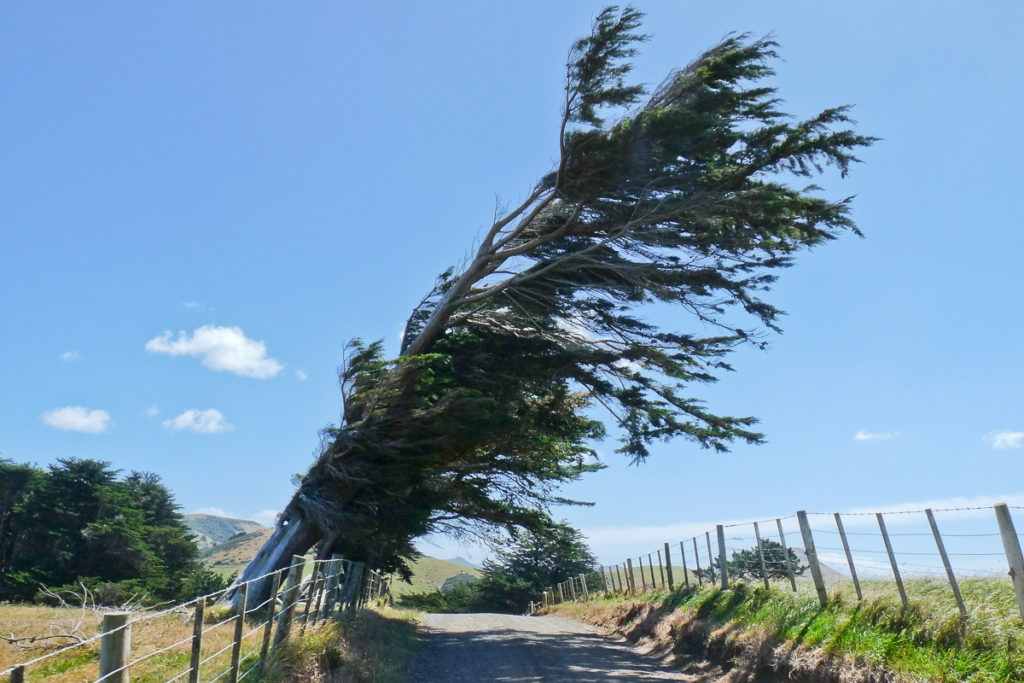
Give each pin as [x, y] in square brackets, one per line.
[226, 545]
[463, 561]
[211, 530]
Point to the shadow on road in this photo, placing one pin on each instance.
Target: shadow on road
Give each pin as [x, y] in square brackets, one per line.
[514, 654]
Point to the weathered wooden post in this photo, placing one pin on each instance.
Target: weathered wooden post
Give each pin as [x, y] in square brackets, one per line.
[288, 600]
[331, 587]
[849, 556]
[583, 583]
[790, 573]
[668, 568]
[723, 569]
[197, 641]
[696, 558]
[236, 647]
[629, 575]
[711, 562]
[892, 558]
[1011, 546]
[661, 567]
[760, 554]
[115, 645]
[18, 674]
[618, 575]
[812, 557]
[268, 625]
[945, 563]
[682, 557]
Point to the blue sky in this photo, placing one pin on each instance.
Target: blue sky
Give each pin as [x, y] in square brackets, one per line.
[201, 204]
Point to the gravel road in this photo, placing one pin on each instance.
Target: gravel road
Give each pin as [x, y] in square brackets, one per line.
[502, 647]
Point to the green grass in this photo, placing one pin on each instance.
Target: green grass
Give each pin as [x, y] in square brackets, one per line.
[373, 645]
[925, 641]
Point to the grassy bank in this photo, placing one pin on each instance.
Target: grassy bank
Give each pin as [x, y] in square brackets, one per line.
[373, 645]
[775, 630]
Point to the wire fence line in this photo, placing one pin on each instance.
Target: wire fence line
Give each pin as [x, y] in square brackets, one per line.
[331, 587]
[830, 551]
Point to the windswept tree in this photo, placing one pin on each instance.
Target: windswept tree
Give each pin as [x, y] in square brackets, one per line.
[681, 197]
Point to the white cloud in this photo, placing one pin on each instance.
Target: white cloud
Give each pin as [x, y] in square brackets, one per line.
[210, 510]
[265, 517]
[1005, 439]
[200, 421]
[221, 348]
[196, 305]
[78, 419]
[69, 356]
[869, 436]
[301, 375]
[153, 410]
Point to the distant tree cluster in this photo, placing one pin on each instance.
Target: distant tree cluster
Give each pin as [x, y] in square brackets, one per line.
[746, 564]
[79, 522]
[531, 564]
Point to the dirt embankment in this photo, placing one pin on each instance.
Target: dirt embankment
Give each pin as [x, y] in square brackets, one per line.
[697, 645]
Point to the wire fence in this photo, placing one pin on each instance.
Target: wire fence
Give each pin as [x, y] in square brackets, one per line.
[910, 553]
[206, 639]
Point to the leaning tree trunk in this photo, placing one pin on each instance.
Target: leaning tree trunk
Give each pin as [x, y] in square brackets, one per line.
[293, 535]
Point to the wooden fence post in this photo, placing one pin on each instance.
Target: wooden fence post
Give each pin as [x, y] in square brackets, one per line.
[711, 561]
[115, 645]
[572, 588]
[812, 557]
[760, 554]
[696, 558]
[236, 648]
[629, 576]
[331, 586]
[661, 568]
[314, 581]
[197, 641]
[721, 556]
[618, 575]
[1011, 546]
[945, 563]
[892, 558]
[561, 593]
[275, 584]
[686, 574]
[288, 599]
[18, 674]
[583, 584]
[785, 551]
[668, 568]
[849, 556]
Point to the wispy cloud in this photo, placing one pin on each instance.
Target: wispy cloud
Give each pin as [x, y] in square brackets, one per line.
[301, 375]
[78, 419]
[874, 436]
[618, 541]
[196, 305]
[265, 517]
[1005, 439]
[69, 356]
[210, 510]
[152, 411]
[221, 349]
[200, 421]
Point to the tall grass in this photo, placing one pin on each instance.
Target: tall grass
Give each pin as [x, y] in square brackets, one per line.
[926, 641]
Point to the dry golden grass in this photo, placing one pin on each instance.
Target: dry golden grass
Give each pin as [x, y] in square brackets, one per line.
[148, 635]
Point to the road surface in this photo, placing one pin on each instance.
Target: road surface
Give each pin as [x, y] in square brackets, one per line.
[503, 647]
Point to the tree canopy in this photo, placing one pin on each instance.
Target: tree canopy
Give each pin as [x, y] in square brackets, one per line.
[677, 197]
[77, 521]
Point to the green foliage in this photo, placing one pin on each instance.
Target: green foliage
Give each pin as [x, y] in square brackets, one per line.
[529, 565]
[681, 202]
[78, 523]
[746, 564]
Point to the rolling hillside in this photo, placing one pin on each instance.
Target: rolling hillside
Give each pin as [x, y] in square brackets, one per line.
[211, 530]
